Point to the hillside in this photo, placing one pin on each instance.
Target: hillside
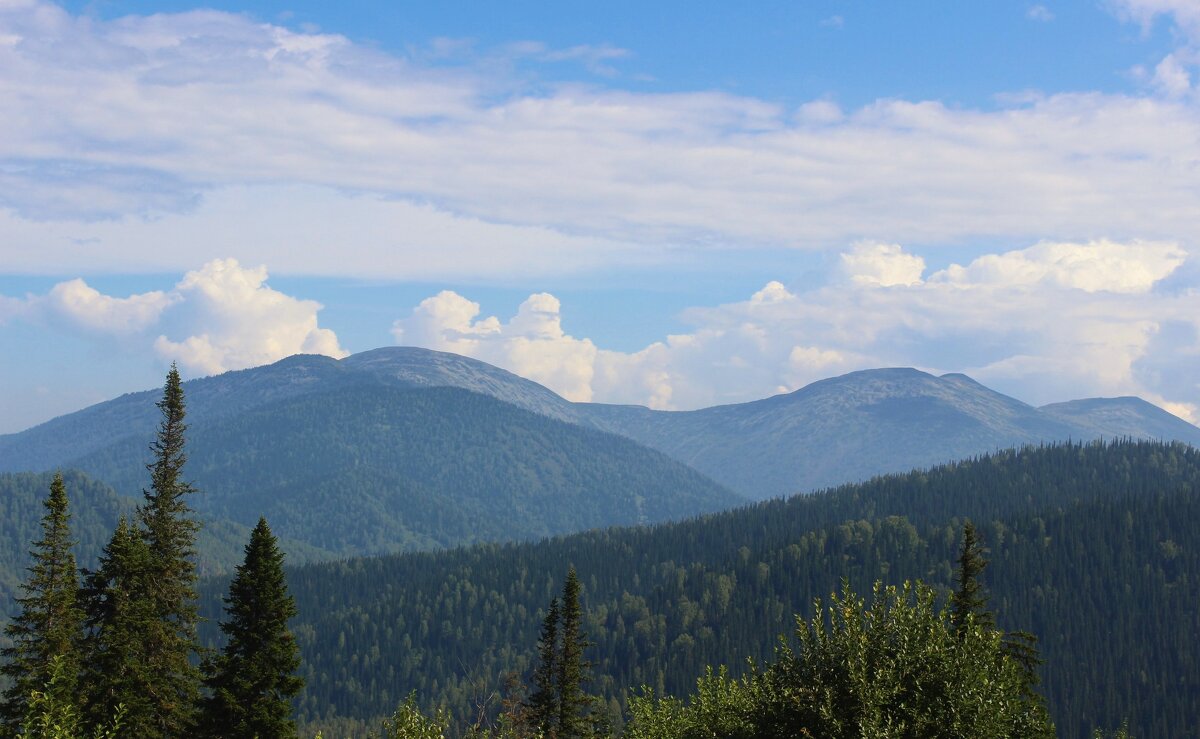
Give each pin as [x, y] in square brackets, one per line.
[371, 469]
[1093, 548]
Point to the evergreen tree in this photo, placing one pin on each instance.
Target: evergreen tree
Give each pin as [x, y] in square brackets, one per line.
[116, 670]
[969, 601]
[574, 704]
[170, 533]
[46, 633]
[544, 703]
[253, 681]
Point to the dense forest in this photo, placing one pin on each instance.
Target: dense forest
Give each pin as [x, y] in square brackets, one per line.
[95, 509]
[1093, 549]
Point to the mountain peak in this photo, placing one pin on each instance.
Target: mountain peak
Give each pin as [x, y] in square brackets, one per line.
[416, 367]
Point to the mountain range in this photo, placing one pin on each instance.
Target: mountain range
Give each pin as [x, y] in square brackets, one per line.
[403, 448]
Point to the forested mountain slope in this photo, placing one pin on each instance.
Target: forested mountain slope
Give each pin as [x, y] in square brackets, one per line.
[843, 429]
[1094, 548]
[94, 509]
[1126, 417]
[371, 469]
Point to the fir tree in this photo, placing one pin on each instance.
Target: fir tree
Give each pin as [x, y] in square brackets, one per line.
[170, 533]
[44, 655]
[969, 601]
[574, 703]
[253, 681]
[544, 703]
[117, 671]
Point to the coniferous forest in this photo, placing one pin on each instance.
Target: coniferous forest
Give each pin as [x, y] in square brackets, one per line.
[1050, 590]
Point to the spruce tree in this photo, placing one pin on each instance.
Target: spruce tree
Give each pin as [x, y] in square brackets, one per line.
[574, 716]
[544, 703]
[969, 601]
[252, 682]
[46, 633]
[170, 533]
[117, 672]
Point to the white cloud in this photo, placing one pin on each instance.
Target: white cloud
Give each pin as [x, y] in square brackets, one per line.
[1186, 13]
[1047, 323]
[531, 344]
[883, 265]
[224, 315]
[232, 320]
[1096, 266]
[86, 308]
[1172, 77]
[145, 131]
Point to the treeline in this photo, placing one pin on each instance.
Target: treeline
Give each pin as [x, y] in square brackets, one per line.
[1094, 548]
[113, 651]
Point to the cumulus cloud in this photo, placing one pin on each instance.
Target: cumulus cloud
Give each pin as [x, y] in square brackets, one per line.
[883, 265]
[1095, 266]
[1050, 322]
[224, 316]
[231, 319]
[532, 344]
[129, 130]
[86, 308]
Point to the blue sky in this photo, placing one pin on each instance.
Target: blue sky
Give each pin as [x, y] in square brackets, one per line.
[674, 204]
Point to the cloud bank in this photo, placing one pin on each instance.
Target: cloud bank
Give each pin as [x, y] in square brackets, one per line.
[1049, 322]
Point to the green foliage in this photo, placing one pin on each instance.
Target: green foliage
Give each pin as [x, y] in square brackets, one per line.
[545, 703]
[968, 603]
[252, 682]
[897, 669]
[170, 535]
[574, 704]
[409, 723]
[46, 633]
[52, 713]
[116, 665]
[95, 508]
[721, 706]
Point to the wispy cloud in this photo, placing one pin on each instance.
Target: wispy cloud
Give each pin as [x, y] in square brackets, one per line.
[1039, 13]
[155, 128]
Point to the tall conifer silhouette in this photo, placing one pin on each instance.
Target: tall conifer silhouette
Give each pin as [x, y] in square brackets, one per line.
[50, 622]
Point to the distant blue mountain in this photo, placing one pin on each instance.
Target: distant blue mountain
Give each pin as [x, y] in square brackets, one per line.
[838, 430]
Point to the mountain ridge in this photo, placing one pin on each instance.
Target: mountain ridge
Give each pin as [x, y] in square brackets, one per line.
[840, 429]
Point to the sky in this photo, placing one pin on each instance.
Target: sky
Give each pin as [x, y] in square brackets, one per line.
[675, 204]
